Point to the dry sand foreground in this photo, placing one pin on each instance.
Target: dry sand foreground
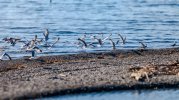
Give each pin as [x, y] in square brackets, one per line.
[58, 75]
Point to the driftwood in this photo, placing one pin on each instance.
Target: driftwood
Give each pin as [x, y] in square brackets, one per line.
[145, 72]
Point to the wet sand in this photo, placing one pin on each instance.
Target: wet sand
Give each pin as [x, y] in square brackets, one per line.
[89, 72]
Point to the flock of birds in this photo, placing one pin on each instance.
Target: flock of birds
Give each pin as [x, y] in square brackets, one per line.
[35, 45]
[29, 45]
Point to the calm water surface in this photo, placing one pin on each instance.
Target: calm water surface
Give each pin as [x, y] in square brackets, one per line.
[154, 22]
[171, 94]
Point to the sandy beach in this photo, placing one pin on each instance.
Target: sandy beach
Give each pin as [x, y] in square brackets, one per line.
[89, 72]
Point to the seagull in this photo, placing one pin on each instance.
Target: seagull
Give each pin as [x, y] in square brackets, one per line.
[31, 45]
[106, 37]
[10, 40]
[174, 44]
[113, 44]
[84, 43]
[36, 40]
[122, 38]
[83, 37]
[101, 41]
[98, 39]
[33, 50]
[5, 54]
[46, 35]
[144, 46]
[54, 42]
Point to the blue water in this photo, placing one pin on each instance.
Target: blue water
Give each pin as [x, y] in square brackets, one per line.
[155, 22]
[169, 94]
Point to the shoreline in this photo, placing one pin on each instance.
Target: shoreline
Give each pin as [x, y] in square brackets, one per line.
[89, 72]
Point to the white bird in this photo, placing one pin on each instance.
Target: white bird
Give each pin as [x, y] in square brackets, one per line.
[106, 37]
[33, 51]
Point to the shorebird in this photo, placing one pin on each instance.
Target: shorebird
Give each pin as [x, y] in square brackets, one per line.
[107, 37]
[54, 43]
[36, 40]
[82, 41]
[100, 42]
[26, 44]
[10, 40]
[33, 50]
[5, 55]
[102, 35]
[122, 38]
[174, 44]
[144, 46]
[83, 37]
[113, 44]
[31, 44]
[46, 35]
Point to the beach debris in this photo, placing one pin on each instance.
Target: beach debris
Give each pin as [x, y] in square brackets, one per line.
[62, 75]
[141, 73]
[172, 68]
[147, 71]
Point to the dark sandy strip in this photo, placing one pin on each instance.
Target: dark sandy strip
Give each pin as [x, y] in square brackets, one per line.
[89, 72]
